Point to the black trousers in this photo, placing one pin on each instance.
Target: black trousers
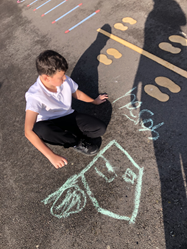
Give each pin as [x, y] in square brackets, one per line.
[68, 130]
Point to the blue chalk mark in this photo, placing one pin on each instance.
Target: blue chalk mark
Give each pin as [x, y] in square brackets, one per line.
[109, 168]
[145, 110]
[129, 176]
[108, 165]
[102, 175]
[67, 13]
[125, 95]
[54, 7]
[151, 127]
[75, 198]
[71, 199]
[43, 4]
[135, 122]
[134, 105]
[156, 132]
[32, 3]
[137, 196]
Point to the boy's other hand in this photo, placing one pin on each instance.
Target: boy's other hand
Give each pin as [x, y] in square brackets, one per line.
[58, 161]
[100, 99]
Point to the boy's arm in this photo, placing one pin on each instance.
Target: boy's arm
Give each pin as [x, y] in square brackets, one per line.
[30, 119]
[83, 97]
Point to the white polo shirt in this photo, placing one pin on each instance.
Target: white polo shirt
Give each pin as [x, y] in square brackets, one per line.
[50, 105]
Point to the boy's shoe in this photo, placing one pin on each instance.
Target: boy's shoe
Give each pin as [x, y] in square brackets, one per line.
[86, 148]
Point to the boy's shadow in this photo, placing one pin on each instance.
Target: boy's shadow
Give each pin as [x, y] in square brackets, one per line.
[170, 148]
[85, 74]
[1, 83]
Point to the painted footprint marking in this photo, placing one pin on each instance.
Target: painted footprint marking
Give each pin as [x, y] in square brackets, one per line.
[165, 82]
[170, 48]
[111, 51]
[129, 20]
[178, 39]
[114, 52]
[121, 27]
[154, 91]
[104, 59]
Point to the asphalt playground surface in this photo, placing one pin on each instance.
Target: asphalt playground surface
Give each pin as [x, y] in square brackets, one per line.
[132, 194]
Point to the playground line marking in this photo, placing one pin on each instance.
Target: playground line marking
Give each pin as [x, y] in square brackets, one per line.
[67, 31]
[153, 57]
[31, 3]
[67, 13]
[54, 8]
[42, 5]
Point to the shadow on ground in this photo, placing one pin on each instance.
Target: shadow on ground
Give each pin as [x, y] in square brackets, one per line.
[165, 20]
[85, 74]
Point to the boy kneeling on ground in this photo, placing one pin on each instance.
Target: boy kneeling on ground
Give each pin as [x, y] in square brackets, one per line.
[49, 116]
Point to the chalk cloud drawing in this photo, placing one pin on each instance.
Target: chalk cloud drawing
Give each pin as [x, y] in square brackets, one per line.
[71, 197]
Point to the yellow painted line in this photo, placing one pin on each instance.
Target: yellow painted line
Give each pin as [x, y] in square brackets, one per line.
[153, 57]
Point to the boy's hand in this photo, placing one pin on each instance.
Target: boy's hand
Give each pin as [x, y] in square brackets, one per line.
[100, 99]
[58, 161]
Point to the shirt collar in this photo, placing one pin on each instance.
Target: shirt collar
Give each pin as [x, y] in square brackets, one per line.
[46, 90]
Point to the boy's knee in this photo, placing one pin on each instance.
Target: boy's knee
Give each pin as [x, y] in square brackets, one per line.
[102, 129]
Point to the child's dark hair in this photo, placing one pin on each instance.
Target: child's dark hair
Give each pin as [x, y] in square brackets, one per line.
[49, 62]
